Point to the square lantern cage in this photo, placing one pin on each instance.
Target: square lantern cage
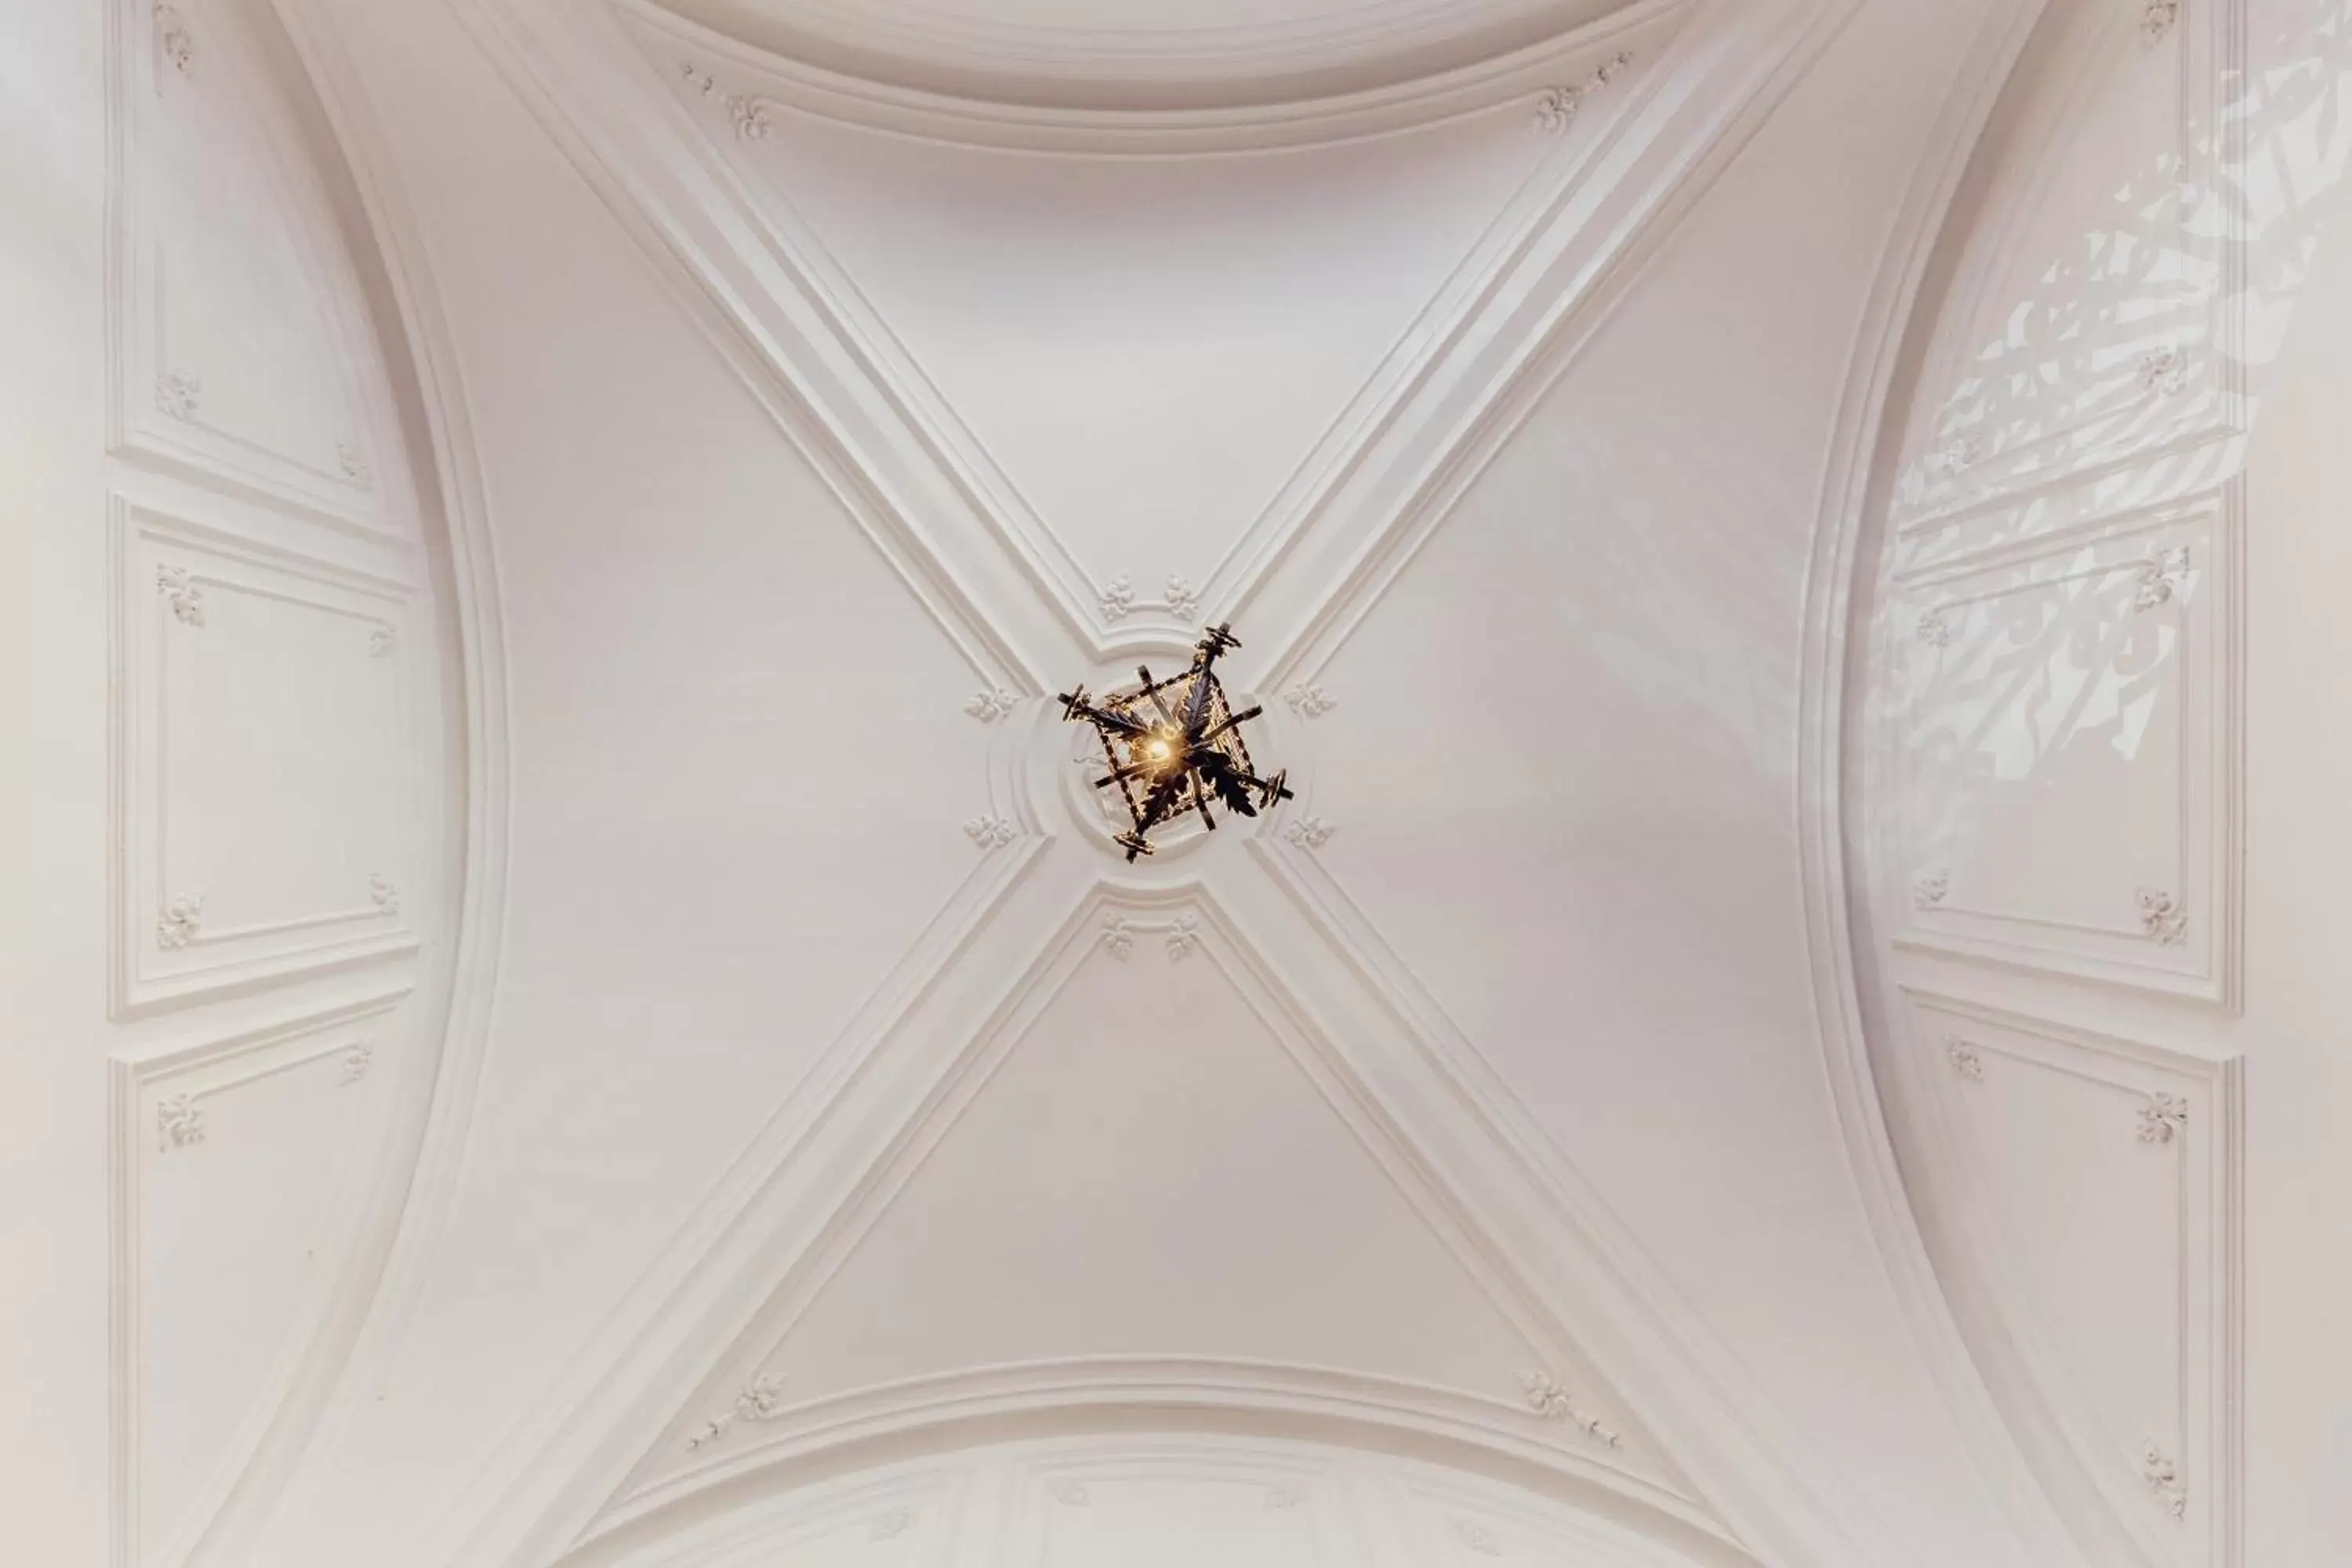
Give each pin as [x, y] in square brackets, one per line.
[1173, 745]
[1124, 755]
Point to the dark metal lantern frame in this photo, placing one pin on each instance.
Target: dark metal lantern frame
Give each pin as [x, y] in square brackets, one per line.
[1173, 744]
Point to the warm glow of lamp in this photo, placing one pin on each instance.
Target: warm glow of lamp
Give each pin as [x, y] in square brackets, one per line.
[1193, 753]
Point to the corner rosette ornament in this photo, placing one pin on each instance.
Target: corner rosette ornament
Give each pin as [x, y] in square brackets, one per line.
[1174, 746]
[762, 1398]
[1551, 1400]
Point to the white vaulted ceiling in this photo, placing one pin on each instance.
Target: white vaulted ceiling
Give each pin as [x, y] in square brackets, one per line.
[1472, 1100]
[837, 1153]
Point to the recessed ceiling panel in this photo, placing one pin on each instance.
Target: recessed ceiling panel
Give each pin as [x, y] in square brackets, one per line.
[1149, 1172]
[1149, 349]
[1149, 1178]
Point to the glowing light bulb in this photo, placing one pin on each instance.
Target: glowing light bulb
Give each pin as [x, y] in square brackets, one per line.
[1159, 748]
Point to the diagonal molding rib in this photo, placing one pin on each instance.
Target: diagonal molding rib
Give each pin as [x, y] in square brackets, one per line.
[1726, 70]
[577, 70]
[927, 494]
[1439, 349]
[1399, 1101]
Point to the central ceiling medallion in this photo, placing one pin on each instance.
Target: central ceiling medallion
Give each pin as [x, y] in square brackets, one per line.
[1174, 744]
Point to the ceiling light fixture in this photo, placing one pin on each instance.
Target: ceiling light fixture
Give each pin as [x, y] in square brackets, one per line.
[1172, 744]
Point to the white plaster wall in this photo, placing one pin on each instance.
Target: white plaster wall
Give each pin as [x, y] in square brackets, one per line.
[230, 790]
[2146, 1283]
[53, 1352]
[2298, 1258]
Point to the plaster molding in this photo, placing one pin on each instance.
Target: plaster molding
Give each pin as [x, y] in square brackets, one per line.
[1183, 936]
[1868, 429]
[1469, 344]
[173, 39]
[1310, 832]
[2163, 371]
[181, 591]
[182, 918]
[1354, 1503]
[1964, 1058]
[941, 1091]
[1139, 119]
[1180, 933]
[535, 1497]
[198, 567]
[2197, 382]
[990, 703]
[553, 1473]
[1338, 538]
[2159, 454]
[1117, 937]
[2163, 1116]
[179, 393]
[2197, 1117]
[1181, 599]
[890, 1526]
[2162, 917]
[2180, 554]
[1660, 1357]
[988, 832]
[1956, 457]
[179, 1121]
[2164, 1482]
[1557, 107]
[396, 1233]
[1310, 699]
[158, 415]
[749, 116]
[357, 1061]
[759, 1400]
[1081, 1394]
[1116, 598]
[1549, 1399]
[2165, 571]
[157, 1110]
[747, 289]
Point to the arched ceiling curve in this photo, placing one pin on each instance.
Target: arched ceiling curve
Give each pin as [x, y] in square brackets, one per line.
[1133, 54]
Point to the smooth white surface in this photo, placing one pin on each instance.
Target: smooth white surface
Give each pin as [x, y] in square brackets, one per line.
[834, 1152]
